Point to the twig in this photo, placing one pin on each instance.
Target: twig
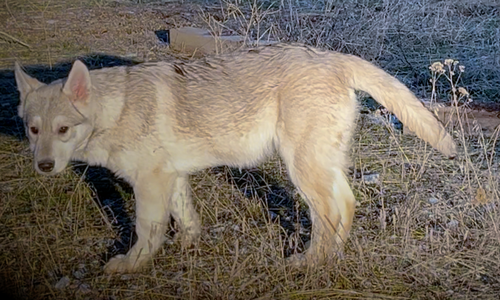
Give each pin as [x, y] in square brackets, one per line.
[10, 38]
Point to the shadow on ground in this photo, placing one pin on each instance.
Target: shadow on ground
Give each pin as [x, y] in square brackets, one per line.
[277, 197]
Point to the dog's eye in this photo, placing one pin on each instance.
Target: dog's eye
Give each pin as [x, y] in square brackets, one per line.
[34, 130]
[63, 130]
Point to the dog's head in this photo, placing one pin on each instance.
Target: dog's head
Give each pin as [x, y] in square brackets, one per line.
[56, 116]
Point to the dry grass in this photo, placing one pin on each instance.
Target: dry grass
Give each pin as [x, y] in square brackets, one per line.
[426, 228]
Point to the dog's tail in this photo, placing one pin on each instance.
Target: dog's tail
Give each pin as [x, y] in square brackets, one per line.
[398, 99]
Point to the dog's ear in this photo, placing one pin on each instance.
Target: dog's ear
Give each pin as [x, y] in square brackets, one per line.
[77, 86]
[25, 85]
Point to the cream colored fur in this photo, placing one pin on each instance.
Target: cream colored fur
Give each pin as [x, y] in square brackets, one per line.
[153, 124]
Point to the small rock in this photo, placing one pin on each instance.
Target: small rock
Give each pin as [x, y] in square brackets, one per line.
[79, 274]
[452, 224]
[366, 283]
[126, 277]
[433, 200]
[84, 288]
[62, 283]
[218, 229]
[371, 178]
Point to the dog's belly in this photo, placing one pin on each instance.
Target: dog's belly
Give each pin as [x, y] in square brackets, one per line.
[234, 148]
[243, 151]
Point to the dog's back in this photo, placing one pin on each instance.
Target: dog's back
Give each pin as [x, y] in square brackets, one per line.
[244, 104]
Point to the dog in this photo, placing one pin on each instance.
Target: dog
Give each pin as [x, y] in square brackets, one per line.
[155, 123]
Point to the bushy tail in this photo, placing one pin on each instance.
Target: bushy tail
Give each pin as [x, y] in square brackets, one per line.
[398, 99]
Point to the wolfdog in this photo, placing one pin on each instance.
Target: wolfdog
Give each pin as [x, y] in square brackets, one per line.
[155, 123]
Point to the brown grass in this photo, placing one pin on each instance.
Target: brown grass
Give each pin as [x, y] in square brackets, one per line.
[426, 229]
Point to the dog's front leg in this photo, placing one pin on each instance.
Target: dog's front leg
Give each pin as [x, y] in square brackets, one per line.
[153, 194]
[183, 211]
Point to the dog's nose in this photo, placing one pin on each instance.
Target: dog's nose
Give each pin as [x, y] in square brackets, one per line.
[46, 165]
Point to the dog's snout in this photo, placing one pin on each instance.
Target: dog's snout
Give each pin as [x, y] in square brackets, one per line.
[46, 165]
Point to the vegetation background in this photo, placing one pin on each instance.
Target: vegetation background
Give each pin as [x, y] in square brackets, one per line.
[425, 228]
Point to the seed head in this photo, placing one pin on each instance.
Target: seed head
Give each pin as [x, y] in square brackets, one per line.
[448, 61]
[437, 67]
[463, 91]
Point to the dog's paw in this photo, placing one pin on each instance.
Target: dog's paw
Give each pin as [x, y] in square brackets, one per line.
[188, 238]
[186, 241]
[310, 259]
[297, 261]
[122, 264]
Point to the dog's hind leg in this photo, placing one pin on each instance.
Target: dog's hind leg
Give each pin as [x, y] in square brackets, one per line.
[315, 155]
[184, 213]
[331, 205]
[153, 192]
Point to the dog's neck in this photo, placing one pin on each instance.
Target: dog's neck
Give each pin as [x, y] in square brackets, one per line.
[107, 103]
